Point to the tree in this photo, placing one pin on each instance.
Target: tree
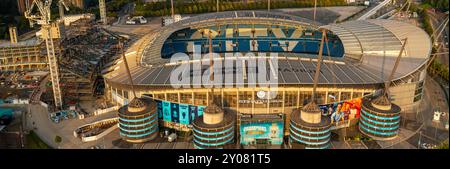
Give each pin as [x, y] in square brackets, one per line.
[58, 140]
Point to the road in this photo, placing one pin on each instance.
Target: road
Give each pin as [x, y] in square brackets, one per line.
[437, 19]
[124, 13]
[374, 10]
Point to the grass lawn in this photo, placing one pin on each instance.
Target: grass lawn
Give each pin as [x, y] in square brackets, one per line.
[34, 142]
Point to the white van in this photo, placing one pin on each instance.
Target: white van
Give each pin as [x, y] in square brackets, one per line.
[172, 137]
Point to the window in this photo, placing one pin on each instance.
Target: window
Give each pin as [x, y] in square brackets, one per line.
[245, 99]
[125, 94]
[172, 97]
[417, 98]
[346, 96]
[186, 98]
[356, 95]
[229, 99]
[320, 97]
[277, 101]
[290, 99]
[200, 99]
[332, 97]
[305, 98]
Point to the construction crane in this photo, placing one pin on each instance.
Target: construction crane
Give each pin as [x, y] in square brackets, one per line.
[102, 7]
[62, 5]
[49, 31]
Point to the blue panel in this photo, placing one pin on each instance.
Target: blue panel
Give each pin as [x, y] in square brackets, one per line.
[160, 109]
[167, 114]
[184, 113]
[175, 112]
[192, 113]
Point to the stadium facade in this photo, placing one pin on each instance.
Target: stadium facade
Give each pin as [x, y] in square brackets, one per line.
[358, 58]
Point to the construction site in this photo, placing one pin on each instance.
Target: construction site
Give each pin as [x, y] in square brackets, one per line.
[81, 49]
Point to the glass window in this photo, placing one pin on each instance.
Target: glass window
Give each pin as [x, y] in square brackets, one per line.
[229, 99]
[357, 95]
[321, 97]
[172, 97]
[159, 96]
[332, 97]
[277, 101]
[417, 98]
[305, 98]
[345, 96]
[245, 99]
[186, 98]
[200, 99]
[125, 94]
[290, 99]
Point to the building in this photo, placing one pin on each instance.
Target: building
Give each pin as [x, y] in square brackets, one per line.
[23, 55]
[214, 129]
[138, 121]
[358, 59]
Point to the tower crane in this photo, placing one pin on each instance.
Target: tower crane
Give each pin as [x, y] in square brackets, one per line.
[49, 32]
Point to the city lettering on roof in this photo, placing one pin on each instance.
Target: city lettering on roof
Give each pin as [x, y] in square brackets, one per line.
[248, 69]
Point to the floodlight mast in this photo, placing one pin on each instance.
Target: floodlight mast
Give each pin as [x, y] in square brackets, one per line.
[394, 69]
[319, 61]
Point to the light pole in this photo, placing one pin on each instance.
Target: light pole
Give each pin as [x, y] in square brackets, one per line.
[268, 5]
[420, 136]
[315, 7]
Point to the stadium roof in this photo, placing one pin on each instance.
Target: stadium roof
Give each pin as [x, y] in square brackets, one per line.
[371, 48]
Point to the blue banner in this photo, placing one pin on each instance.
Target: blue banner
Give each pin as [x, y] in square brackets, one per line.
[178, 113]
[167, 114]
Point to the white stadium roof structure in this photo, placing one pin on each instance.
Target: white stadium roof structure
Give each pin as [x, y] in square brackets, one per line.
[371, 48]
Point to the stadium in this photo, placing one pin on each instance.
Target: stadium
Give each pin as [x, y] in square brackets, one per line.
[358, 59]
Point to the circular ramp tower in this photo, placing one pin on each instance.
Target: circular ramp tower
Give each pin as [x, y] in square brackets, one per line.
[138, 121]
[380, 119]
[214, 130]
[308, 129]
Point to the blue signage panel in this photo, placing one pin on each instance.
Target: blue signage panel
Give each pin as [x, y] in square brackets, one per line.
[184, 113]
[262, 132]
[175, 113]
[178, 113]
[167, 114]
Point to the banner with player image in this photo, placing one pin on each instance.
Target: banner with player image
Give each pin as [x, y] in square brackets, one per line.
[342, 111]
[261, 129]
[183, 114]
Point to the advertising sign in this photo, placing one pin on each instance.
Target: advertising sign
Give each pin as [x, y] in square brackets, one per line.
[183, 114]
[260, 131]
[342, 111]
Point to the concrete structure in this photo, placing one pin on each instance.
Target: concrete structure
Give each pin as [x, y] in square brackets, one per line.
[380, 119]
[138, 121]
[69, 19]
[23, 55]
[215, 130]
[308, 129]
[96, 130]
